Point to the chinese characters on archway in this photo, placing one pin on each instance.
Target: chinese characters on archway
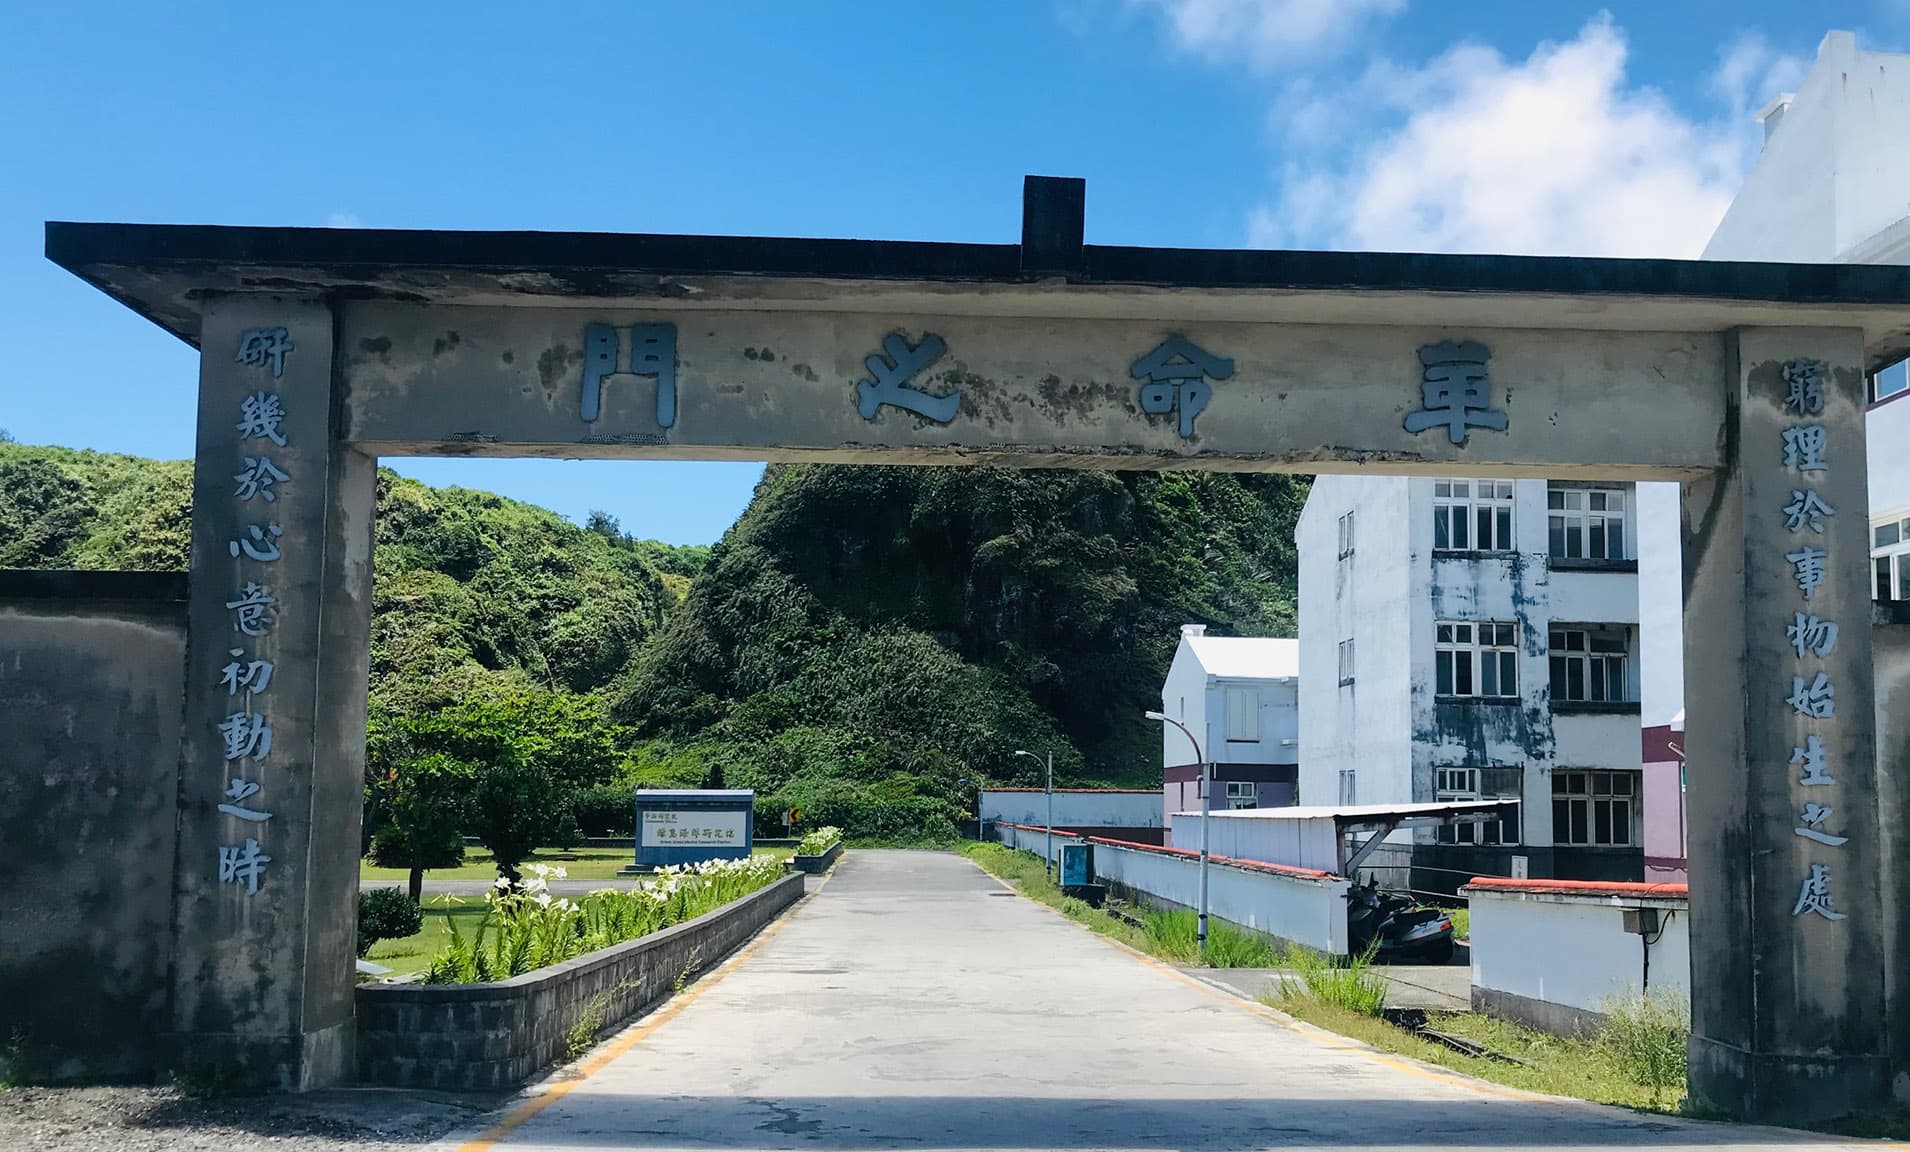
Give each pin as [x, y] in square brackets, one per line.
[1805, 444]
[245, 733]
[1176, 379]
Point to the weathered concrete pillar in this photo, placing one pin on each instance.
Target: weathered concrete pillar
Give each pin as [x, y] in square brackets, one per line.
[272, 761]
[1890, 638]
[1786, 848]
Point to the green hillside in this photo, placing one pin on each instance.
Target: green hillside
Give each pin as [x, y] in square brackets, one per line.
[861, 643]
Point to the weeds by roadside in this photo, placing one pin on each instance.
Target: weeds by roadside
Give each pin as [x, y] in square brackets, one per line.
[1354, 987]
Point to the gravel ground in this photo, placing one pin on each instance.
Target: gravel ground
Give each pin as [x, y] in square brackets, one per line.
[145, 1119]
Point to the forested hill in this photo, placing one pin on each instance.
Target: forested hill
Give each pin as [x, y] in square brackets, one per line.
[473, 593]
[865, 643]
[893, 631]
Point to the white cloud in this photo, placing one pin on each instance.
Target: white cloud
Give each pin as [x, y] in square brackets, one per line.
[1267, 32]
[1556, 154]
[343, 220]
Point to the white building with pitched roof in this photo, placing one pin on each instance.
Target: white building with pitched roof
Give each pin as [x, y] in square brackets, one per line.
[1239, 695]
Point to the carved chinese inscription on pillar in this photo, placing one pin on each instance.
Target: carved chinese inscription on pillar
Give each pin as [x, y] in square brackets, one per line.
[1813, 696]
[245, 732]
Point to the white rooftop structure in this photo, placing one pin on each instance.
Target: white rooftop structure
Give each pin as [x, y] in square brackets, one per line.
[1244, 657]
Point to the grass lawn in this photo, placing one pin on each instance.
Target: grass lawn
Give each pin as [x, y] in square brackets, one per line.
[414, 953]
[577, 863]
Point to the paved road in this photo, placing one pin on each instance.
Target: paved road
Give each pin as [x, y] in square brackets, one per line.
[912, 1003]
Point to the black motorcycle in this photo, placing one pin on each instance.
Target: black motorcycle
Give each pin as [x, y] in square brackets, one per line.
[1395, 928]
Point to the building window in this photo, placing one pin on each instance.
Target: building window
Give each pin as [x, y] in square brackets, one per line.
[1348, 792]
[1594, 809]
[1472, 515]
[1890, 559]
[1243, 794]
[1892, 381]
[1243, 715]
[1346, 661]
[1589, 664]
[1587, 523]
[1455, 785]
[1346, 535]
[1477, 659]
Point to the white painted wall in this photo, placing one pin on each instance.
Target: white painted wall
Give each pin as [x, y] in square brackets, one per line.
[1075, 809]
[1309, 843]
[1660, 604]
[1278, 702]
[1184, 697]
[1572, 950]
[1365, 726]
[1311, 913]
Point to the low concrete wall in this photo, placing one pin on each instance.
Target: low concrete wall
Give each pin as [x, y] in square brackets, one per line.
[1297, 905]
[818, 863]
[1552, 953]
[476, 1036]
[92, 681]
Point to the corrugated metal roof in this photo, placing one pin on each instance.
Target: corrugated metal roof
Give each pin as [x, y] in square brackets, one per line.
[1350, 812]
[1246, 657]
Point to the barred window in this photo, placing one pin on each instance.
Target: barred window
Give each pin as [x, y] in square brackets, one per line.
[1594, 808]
[1496, 783]
[1472, 515]
[1587, 523]
[1590, 664]
[1243, 794]
[1477, 658]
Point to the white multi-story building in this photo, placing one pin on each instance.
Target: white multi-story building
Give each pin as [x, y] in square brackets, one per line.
[1485, 635]
[1831, 186]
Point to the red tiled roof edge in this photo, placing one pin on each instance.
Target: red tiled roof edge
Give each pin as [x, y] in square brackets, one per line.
[1579, 887]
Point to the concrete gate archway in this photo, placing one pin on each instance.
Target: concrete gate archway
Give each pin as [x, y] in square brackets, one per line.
[323, 349]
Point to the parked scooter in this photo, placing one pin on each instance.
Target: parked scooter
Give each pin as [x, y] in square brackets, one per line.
[1404, 931]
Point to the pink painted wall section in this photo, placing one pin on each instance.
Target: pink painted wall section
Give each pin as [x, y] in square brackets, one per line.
[1664, 800]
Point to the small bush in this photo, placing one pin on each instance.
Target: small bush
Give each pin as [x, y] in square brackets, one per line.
[386, 914]
[607, 810]
[1646, 1034]
[1354, 987]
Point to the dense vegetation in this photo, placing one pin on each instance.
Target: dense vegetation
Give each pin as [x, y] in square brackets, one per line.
[867, 644]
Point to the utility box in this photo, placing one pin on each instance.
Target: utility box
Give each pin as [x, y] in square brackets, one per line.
[691, 825]
[1641, 921]
[1074, 866]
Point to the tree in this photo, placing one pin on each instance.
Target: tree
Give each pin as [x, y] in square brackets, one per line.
[420, 806]
[516, 805]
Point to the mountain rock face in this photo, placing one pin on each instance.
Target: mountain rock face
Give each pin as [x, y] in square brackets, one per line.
[868, 644]
[873, 642]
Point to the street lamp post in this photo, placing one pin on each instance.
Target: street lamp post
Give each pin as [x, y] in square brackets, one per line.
[1050, 821]
[1206, 788]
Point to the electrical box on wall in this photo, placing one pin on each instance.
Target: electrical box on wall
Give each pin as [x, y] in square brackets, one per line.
[1641, 921]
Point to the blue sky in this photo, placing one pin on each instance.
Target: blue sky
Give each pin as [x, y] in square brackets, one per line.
[1620, 128]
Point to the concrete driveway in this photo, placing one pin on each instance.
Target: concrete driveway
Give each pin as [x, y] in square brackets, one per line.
[914, 1003]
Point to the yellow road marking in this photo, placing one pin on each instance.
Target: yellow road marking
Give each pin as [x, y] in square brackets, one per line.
[629, 1039]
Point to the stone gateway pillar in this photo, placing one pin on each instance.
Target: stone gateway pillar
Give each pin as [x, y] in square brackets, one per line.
[1786, 847]
[272, 759]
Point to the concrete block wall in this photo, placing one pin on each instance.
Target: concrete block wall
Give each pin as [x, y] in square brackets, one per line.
[481, 1036]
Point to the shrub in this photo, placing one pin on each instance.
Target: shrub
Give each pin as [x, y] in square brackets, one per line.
[1354, 987]
[607, 810]
[1646, 1034]
[817, 842]
[386, 914]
